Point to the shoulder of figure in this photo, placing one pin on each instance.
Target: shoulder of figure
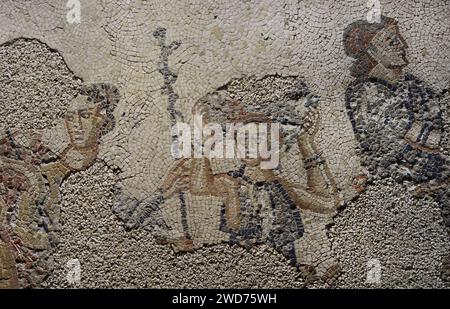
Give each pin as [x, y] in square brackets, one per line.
[24, 144]
[420, 86]
[361, 86]
[55, 170]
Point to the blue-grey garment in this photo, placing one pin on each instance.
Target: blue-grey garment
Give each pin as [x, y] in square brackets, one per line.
[286, 222]
[382, 113]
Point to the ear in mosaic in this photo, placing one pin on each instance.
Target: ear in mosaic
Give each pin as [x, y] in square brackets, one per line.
[396, 118]
[200, 143]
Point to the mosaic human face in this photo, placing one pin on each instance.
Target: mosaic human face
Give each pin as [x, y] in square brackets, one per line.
[83, 120]
[388, 47]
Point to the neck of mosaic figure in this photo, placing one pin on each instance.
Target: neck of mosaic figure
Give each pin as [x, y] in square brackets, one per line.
[78, 159]
[390, 75]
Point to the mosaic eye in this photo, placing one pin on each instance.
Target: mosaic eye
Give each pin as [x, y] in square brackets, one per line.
[281, 146]
[85, 114]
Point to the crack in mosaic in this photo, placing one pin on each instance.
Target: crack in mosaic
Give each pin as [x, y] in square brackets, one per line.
[362, 108]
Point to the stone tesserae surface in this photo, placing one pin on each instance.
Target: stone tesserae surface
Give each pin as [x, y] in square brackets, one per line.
[92, 196]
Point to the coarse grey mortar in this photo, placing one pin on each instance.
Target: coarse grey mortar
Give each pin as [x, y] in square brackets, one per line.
[36, 85]
[113, 258]
[405, 234]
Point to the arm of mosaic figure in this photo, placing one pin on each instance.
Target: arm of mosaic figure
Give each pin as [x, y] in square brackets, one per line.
[320, 180]
[307, 200]
[425, 132]
[8, 273]
[177, 178]
[320, 194]
[227, 188]
[318, 175]
[26, 224]
[55, 174]
[143, 210]
[27, 213]
[3, 206]
[434, 137]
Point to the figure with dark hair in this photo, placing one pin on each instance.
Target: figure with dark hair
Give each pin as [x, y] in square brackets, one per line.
[200, 202]
[295, 224]
[87, 119]
[396, 117]
[30, 180]
[379, 49]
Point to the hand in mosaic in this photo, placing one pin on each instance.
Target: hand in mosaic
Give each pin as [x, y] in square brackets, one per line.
[324, 144]
[205, 201]
[290, 217]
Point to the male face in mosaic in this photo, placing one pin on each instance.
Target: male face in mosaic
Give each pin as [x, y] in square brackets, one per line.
[83, 120]
[388, 47]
